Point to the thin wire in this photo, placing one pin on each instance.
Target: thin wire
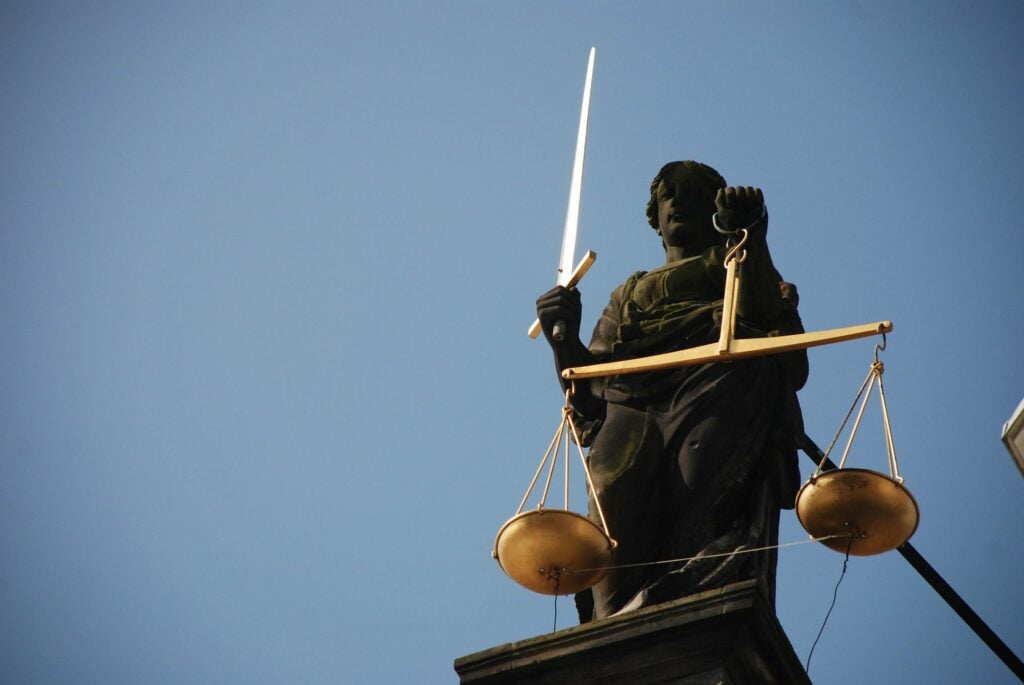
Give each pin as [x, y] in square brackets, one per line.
[853, 405]
[712, 556]
[567, 411]
[894, 469]
[860, 415]
[551, 469]
[590, 480]
[540, 469]
[835, 594]
[558, 579]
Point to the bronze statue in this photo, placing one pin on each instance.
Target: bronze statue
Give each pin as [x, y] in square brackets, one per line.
[694, 461]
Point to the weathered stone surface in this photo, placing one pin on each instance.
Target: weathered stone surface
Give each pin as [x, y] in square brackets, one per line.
[728, 636]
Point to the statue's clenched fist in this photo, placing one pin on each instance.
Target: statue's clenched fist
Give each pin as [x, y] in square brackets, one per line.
[560, 305]
[739, 206]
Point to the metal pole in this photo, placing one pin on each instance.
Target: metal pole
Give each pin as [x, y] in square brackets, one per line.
[938, 583]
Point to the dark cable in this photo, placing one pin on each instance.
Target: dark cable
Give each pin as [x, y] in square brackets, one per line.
[835, 594]
[554, 625]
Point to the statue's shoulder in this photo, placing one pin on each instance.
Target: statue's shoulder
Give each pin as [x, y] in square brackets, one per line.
[625, 290]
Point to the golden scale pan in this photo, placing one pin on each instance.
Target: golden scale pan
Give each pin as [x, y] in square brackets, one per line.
[555, 551]
[864, 510]
[858, 511]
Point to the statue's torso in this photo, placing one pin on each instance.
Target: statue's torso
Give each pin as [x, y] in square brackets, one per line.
[688, 280]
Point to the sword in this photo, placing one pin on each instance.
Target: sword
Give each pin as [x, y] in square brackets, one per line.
[567, 276]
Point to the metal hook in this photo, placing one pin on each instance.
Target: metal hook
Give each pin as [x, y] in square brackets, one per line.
[880, 348]
[732, 253]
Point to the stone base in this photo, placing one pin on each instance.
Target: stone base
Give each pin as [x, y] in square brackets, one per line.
[728, 636]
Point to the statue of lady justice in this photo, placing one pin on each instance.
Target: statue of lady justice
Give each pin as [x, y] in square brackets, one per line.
[695, 462]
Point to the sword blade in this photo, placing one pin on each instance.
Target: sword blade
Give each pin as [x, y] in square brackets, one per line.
[572, 213]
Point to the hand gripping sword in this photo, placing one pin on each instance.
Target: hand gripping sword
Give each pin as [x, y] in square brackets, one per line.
[568, 276]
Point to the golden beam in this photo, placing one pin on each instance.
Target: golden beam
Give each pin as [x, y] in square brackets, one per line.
[735, 349]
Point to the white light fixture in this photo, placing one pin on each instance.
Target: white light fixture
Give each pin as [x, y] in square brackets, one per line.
[1013, 436]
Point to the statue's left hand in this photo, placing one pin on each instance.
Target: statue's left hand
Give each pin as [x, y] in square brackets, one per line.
[739, 206]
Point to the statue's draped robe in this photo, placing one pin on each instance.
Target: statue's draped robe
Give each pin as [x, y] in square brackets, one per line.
[692, 461]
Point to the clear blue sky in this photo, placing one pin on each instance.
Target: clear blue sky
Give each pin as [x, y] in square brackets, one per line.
[266, 269]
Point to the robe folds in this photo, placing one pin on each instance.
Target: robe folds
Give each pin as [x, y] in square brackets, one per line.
[693, 461]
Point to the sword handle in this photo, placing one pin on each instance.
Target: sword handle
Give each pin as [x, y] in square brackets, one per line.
[558, 332]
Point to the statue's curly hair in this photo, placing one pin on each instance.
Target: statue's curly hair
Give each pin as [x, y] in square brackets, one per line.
[712, 178]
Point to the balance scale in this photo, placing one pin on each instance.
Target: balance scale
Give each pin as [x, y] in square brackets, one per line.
[851, 510]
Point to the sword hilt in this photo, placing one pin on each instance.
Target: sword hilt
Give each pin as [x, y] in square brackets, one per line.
[558, 332]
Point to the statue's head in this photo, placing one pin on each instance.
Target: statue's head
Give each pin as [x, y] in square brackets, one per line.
[682, 203]
[711, 179]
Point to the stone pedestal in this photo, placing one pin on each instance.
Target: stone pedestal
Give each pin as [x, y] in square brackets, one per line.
[728, 636]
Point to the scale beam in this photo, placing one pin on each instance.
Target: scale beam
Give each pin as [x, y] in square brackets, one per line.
[735, 349]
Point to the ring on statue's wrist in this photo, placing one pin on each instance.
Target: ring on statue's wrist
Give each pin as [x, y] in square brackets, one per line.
[723, 231]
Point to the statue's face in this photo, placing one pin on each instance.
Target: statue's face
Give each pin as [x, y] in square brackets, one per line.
[685, 208]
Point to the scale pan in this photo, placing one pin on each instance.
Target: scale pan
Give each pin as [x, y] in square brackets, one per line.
[542, 549]
[879, 511]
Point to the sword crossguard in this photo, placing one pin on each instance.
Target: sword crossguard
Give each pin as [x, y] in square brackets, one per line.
[574, 278]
